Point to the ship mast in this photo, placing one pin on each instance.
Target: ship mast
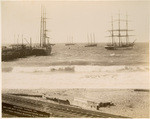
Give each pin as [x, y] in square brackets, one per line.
[18, 40]
[41, 27]
[94, 37]
[72, 39]
[112, 30]
[44, 27]
[127, 37]
[88, 38]
[22, 39]
[119, 28]
[91, 37]
[43, 36]
[14, 39]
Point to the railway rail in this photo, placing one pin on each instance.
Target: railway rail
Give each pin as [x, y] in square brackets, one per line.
[25, 107]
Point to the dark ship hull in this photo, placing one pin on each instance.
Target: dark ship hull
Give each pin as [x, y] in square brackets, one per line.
[9, 54]
[52, 44]
[91, 45]
[19, 51]
[123, 47]
[42, 51]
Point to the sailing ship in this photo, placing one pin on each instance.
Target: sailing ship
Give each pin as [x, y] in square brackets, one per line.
[119, 37]
[70, 39]
[22, 50]
[45, 47]
[91, 41]
[18, 50]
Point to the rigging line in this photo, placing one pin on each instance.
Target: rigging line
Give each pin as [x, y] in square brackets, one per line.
[88, 37]
[112, 30]
[18, 40]
[26, 40]
[126, 28]
[119, 27]
[91, 38]
[14, 39]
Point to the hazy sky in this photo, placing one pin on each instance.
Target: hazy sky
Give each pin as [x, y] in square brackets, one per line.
[72, 19]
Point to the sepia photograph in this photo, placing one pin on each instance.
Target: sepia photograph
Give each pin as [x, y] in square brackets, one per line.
[75, 59]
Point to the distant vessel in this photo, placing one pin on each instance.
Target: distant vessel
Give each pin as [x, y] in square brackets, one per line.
[119, 37]
[70, 39]
[91, 41]
[45, 47]
[52, 44]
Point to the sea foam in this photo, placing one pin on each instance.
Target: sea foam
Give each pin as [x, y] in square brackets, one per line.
[76, 68]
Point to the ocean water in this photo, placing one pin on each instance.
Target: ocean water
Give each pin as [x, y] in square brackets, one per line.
[80, 67]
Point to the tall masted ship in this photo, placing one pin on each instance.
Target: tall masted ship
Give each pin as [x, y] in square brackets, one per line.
[91, 40]
[45, 47]
[120, 36]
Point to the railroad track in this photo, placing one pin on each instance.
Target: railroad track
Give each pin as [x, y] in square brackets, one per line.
[23, 107]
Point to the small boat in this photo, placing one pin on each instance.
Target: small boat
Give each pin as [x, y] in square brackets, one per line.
[120, 37]
[92, 39]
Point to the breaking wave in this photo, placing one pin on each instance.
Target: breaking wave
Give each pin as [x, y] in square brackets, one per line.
[76, 68]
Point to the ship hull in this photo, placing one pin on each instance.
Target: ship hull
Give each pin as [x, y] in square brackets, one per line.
[12, 54]
[91, 45]
[42, 51]
[9, 54]
[52, 44]
[124, 47]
